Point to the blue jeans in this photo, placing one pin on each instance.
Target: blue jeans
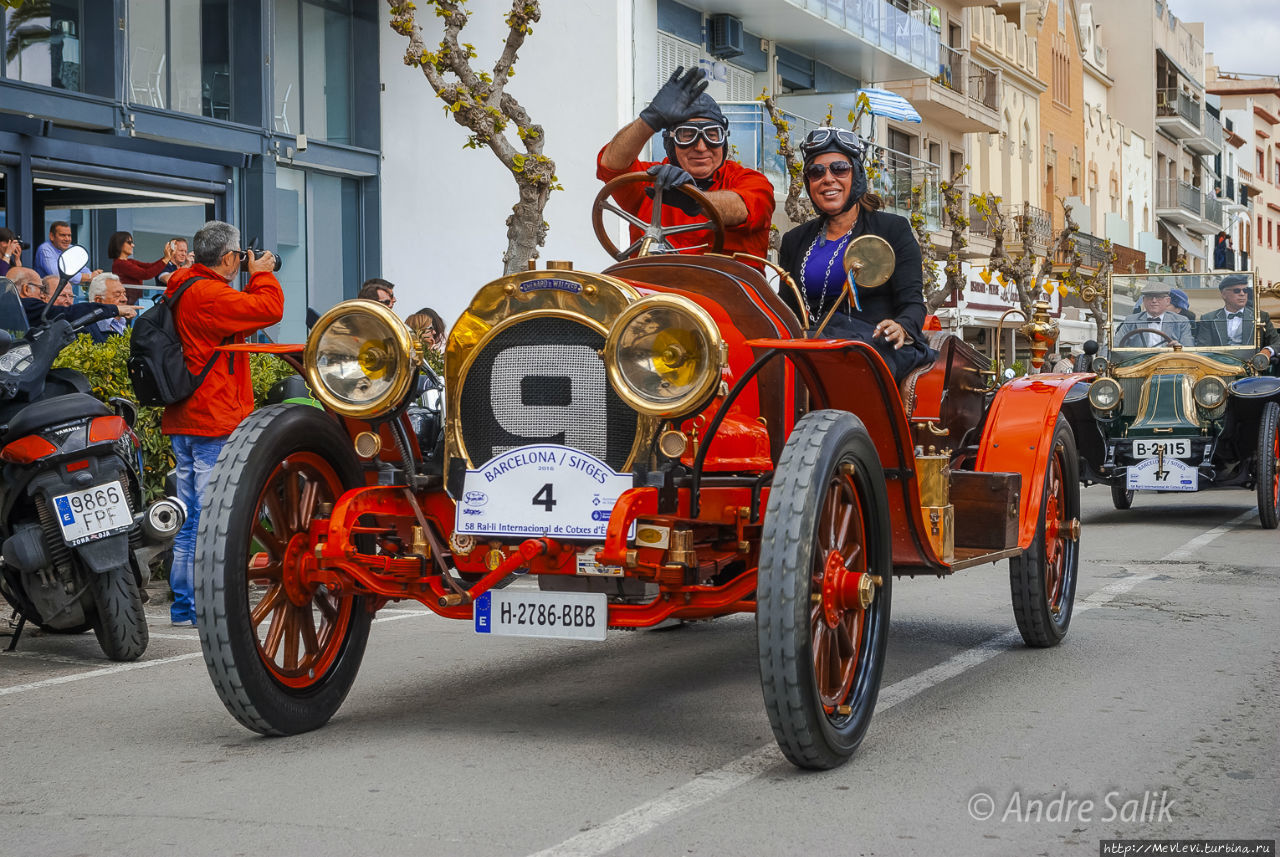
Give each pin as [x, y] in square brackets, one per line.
[195, 456]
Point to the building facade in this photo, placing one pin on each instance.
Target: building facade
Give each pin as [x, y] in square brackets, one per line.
[152, 116]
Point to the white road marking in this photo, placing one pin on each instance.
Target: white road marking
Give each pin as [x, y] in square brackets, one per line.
[706, 787]
[112, 670]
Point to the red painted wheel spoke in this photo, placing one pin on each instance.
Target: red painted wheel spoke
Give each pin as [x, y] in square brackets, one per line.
[844, 641]
[291, 638]
[309, 641]
[276, 513]
[272, 572]
[268, 539]
[328, 613]
[268, 605]
[853, 559]
[307, 505]
[275, 632]
[291, 499]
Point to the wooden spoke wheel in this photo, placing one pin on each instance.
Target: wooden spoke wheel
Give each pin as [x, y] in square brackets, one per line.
[824, 590]
[653, 237]
[299, 627]
[1043, 578]
[282, 643]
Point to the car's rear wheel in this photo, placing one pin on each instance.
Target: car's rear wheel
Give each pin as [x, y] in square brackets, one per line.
[1268, 459]
[1043, 578]
[282, 648]
[1121, 497]
[823, 596]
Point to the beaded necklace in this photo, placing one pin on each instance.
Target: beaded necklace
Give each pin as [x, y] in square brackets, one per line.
[815, 315]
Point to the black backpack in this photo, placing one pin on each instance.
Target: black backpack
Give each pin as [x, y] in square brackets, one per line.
[157, 367]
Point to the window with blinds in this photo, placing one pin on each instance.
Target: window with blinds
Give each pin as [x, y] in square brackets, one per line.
[729, 82]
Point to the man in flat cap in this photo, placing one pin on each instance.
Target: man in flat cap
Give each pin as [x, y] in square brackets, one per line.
[1232, 325]
[1155, 315]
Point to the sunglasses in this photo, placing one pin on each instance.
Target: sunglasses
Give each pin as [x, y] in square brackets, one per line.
[839, 169]
[687, 135]
[820, 137]
[388, 301]
[1239, 290]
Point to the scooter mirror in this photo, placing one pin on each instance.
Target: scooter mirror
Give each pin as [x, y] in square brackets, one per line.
[72, 260]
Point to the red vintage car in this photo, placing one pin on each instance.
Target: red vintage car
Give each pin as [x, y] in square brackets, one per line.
[654, 442]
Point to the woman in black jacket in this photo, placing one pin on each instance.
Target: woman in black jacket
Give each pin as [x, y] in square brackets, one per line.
[889, 317]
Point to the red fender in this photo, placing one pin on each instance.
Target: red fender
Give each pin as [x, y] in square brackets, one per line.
[1018, 438]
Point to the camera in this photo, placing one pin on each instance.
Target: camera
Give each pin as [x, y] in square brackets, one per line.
[25, 245]
[244, 261]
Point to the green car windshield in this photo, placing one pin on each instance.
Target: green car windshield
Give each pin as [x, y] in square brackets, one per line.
[1214, 312]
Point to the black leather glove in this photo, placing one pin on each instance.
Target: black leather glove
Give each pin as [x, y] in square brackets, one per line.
[673, 103]
[668, 178]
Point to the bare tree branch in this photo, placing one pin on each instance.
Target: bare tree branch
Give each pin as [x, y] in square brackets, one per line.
[479, 102]
[797, 205]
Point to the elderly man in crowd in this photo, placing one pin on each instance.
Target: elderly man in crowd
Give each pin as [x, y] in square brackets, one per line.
[107, 289]
[35, 295]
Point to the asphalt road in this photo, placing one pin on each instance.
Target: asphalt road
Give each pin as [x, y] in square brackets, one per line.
[1158, 717]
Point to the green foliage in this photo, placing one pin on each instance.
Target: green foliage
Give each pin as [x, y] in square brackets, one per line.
[104, 366]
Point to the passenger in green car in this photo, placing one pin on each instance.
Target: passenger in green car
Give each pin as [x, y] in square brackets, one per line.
[1229, 326]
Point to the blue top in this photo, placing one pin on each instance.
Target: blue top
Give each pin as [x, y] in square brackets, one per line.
[824, 273]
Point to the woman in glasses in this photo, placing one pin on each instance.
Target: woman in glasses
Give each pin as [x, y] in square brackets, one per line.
[889, 317]
[429, 327]
[130, 272]
[695, 134]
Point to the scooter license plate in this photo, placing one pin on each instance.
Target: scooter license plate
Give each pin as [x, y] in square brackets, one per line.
[93, 513]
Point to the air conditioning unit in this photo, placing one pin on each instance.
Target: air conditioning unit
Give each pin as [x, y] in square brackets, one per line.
[724, 36]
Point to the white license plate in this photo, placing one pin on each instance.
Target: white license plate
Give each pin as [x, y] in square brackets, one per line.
[93, 512]
[1174, 475]
[1150, 448]
[587, 565]
[563, 615]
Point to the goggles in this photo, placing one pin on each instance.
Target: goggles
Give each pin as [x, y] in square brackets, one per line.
[687, 135]
[827, 137]
[839, 169]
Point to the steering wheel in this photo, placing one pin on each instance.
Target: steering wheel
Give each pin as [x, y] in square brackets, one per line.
[1177, 346]
[654, 239]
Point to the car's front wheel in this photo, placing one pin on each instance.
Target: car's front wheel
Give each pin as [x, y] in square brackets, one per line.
[282, 646]
[1268, 460]
[822, 615]
[1121, 497]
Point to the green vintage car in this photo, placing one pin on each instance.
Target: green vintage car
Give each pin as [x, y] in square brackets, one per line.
[1186, 397]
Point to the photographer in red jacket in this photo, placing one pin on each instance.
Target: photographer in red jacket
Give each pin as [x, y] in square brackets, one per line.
[211, 313]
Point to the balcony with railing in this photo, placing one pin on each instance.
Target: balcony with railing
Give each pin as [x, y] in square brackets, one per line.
[1209, 140]
[1092, 249]
[963, 95]
[1039, 226]
[1179, 114]
[901, 33]
[892, 175]
[1187, 205]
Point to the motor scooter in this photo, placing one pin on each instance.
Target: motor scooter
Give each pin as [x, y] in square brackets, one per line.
[76, 537]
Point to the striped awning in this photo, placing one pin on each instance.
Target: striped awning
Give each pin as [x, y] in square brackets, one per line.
[890, 105]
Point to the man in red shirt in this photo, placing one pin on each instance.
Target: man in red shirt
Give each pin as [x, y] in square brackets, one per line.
[696, 138]
[210, 313]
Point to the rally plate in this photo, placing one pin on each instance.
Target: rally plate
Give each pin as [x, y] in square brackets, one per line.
[540, 490]
[1153, 474]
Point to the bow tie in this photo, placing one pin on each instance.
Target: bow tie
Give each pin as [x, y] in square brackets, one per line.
[1154, 318]
[1236, 314]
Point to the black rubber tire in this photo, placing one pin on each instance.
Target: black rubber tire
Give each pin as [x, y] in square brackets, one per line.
[1121, 497]
[119, 622]
[1265, 464]
[252, 693]
[1035, 596]
[809, 471]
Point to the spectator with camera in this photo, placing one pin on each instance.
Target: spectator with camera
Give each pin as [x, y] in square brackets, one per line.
[11, 247]
[208, 313]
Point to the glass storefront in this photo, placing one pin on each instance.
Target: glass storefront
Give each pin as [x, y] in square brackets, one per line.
[42, 44]
[180, 56]
[313, 69]
[317, 217]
